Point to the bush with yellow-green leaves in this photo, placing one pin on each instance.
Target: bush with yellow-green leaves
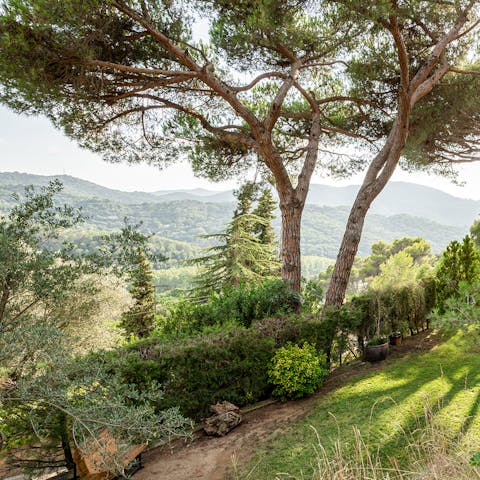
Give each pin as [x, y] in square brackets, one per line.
[297, 371]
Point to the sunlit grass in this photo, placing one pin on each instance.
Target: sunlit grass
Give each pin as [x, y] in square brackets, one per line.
[384, 413]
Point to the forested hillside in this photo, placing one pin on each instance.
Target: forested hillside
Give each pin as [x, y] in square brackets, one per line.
[180, 224]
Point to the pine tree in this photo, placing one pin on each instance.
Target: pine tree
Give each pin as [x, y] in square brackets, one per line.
[475, 233]
[139, 319]
[240, 256]
[246, 195]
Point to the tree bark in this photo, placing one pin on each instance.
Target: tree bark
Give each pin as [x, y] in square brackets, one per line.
[290, 248]
[378, 174]
[347, 252]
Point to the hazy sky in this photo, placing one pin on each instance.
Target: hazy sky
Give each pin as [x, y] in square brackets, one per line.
[32, 145]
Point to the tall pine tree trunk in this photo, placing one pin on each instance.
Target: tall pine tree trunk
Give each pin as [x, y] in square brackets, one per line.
[290, 249]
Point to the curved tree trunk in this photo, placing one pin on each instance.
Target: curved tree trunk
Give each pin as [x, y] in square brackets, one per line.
[378, 174]
[346, 254]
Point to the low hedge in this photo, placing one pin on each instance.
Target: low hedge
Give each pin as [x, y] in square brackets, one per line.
[231, 364]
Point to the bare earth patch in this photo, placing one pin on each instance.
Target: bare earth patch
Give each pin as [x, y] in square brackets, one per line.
[210, 458]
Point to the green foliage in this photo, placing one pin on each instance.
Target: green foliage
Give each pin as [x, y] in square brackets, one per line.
[431, 141]
[139, 319]
[475, 233]
[246, 252]
[242, 306]
[377, 313]
[72, 402]
[399, 309]
[91, 314]
[266, 207]
[403, 261]
[122, 251]
[296, 371]
[459, 262]
[226, 364]
[398, 270]
[377, 341]
[475, 459]
[33, 278]
[463, 308]
[48, 296]
[221, 363]
[174, 281]
[312, 295]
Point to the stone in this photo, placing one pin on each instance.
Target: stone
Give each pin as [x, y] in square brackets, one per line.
[220, 425]
[226, 417]
[224, 407]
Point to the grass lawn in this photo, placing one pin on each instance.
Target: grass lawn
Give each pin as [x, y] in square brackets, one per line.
[386, 406]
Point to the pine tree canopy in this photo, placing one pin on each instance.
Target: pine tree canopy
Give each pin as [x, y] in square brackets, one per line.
[132, 79]
[285, 86]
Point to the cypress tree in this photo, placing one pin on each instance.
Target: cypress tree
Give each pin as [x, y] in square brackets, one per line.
[459, 262]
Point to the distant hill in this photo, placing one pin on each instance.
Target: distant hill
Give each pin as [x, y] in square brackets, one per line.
[14, 181]
[396, 199]
[203, 196]
[404, 198]
[181, 217]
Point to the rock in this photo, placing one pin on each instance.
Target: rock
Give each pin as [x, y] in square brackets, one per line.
[220, 425]
[224, 407]
[227, 417]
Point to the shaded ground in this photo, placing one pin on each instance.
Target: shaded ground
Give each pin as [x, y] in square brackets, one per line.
[209, 458]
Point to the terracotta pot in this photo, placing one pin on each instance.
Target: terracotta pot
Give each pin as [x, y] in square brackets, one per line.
[395, 339]
[376, 353]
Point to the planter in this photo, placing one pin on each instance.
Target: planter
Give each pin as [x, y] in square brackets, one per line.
[376, 353]
[93, 464]
[395, 339]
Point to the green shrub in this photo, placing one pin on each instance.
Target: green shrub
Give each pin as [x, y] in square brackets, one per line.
[197, 372]
[240, 305]
[460, 262]
[296, 371]
[475, 459]
[401, 308]
[377, 341]
[227, 362]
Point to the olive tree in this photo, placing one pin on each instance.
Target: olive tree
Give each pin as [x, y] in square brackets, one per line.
[51, 401]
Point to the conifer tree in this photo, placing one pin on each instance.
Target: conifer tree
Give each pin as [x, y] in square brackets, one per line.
[129, 79]
[459, 262]
[475, 233]
[139, 319]
[240, 255]
[246, 195]
[266, 210]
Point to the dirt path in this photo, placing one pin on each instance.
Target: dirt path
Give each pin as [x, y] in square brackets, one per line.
[210, 458]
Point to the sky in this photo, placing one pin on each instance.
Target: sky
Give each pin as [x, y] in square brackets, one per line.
[32, 145]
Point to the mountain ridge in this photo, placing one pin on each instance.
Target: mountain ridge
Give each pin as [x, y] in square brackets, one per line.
[186, 220]
[397, 198]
